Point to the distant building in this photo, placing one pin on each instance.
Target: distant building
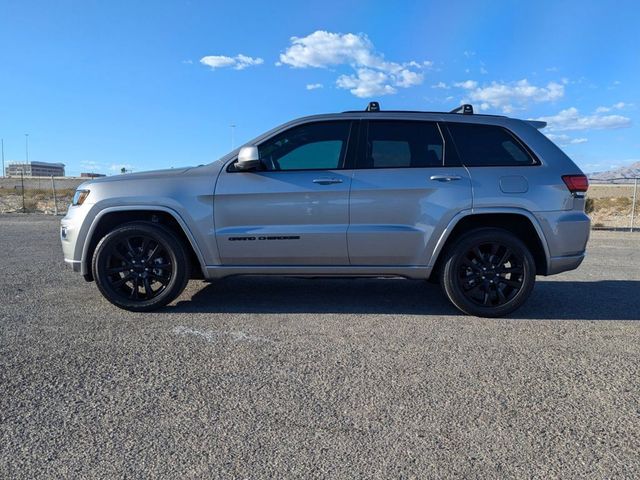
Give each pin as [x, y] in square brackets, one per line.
[35, 169]
[92, 175]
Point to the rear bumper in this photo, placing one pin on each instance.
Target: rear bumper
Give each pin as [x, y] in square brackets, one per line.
[563, 264]
[566, 234]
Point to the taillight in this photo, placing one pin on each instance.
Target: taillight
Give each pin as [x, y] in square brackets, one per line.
[576, 183]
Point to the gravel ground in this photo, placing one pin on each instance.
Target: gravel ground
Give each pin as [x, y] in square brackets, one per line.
[266, 377]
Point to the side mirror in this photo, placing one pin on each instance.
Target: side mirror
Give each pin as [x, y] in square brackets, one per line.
[248, 158]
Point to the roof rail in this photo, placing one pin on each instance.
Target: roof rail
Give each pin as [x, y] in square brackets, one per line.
[465, 109]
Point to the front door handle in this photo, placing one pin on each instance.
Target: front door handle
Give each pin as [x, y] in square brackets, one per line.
[445, 178]
[327, 181]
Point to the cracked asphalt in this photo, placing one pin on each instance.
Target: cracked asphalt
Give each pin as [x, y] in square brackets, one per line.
[296, 378]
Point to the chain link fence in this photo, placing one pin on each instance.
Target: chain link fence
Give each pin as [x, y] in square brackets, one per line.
[48, 195]
[615, 204]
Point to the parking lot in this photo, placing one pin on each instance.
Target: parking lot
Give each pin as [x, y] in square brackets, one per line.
[270, 377]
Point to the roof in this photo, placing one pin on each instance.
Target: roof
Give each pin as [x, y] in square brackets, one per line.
[39, 164]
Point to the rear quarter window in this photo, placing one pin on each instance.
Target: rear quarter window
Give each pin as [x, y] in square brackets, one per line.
[488, 146]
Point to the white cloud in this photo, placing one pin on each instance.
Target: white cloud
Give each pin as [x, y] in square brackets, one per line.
[408, 78]
[366, 83]
[239, 62]
[570, 119]
[564, 140]
[468, 84]
[483, 71]
[372, 75]
[441, 85]
[508, 96]
[323, 49]
[616, 106]
[314, 86]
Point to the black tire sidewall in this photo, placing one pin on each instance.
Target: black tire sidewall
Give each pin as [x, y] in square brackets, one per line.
[175, 250]
[453, 255]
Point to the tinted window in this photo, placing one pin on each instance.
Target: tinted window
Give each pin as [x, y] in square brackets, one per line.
[307, 147]
[488, 145]
[402, 144]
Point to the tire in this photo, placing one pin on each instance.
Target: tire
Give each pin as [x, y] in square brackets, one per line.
[140, 267]
[488, 273]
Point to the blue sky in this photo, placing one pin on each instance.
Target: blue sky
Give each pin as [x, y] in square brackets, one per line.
[100, 85]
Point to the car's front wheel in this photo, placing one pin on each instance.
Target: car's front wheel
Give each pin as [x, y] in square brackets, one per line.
[488, 273]
[140, 266]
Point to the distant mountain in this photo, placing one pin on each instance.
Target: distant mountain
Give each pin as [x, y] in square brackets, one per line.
[630, 171]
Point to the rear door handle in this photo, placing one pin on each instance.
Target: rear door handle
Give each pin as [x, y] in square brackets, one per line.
[445, 178]
[327, 181]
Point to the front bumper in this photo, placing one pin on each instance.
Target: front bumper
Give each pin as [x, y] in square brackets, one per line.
[72, 235]
[76, 265]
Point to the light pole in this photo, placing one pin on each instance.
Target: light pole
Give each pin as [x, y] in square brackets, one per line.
[3, 157]
[26, 145]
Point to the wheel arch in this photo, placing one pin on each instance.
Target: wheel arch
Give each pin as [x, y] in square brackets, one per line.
[520, 222]
[165, 217]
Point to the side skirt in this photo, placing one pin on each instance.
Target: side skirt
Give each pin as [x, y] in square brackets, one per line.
[221, 271]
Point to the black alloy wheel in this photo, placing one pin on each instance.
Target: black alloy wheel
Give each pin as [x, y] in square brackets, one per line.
[140, 266]
[491, 274]
[488, 273]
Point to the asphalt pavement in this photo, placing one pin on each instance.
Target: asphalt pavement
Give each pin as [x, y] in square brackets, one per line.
[295, 378]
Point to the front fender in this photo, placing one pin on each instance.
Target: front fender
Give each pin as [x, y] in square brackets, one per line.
[202, 248]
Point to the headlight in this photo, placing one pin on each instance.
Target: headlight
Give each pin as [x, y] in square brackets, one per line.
[79, 197]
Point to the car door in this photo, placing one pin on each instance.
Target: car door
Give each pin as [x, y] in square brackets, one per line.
[404, 192]
[294, 210]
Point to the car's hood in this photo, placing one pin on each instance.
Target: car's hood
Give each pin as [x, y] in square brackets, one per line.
[150, 175]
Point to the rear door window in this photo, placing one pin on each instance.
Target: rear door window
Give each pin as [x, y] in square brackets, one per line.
[488, 146]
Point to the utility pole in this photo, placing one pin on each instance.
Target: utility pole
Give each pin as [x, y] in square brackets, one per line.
[26, 145]
[233, 133]
[633, 204]
[55, 200]
[22, 183]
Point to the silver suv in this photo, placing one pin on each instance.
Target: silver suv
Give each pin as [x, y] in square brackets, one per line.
[479, 203]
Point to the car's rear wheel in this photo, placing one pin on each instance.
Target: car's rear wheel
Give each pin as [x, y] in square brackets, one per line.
[140, 266]
[488, 273]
